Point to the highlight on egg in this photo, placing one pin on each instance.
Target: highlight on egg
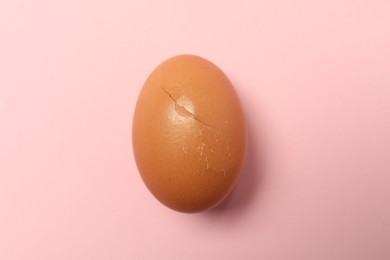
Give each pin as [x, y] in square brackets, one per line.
[189, 134]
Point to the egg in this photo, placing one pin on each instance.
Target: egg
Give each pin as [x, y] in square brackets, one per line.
[189, 134]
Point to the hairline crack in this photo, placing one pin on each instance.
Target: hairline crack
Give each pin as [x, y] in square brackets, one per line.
[208, 168]
[192, 114]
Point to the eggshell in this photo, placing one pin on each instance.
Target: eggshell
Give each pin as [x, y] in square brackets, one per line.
[189, 134]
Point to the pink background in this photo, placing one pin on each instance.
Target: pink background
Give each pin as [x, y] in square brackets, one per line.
[313, 78]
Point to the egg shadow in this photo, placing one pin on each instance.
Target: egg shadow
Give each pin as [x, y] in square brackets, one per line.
[249, 182]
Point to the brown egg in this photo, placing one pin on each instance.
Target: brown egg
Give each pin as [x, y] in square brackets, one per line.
[189, 134]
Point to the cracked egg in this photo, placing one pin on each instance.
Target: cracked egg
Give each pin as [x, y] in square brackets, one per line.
[189, 134]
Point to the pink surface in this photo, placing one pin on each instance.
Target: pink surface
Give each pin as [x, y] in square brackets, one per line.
[314, 80]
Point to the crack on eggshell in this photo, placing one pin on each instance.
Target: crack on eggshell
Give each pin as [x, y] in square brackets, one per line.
[186, 109]
[204, 151]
